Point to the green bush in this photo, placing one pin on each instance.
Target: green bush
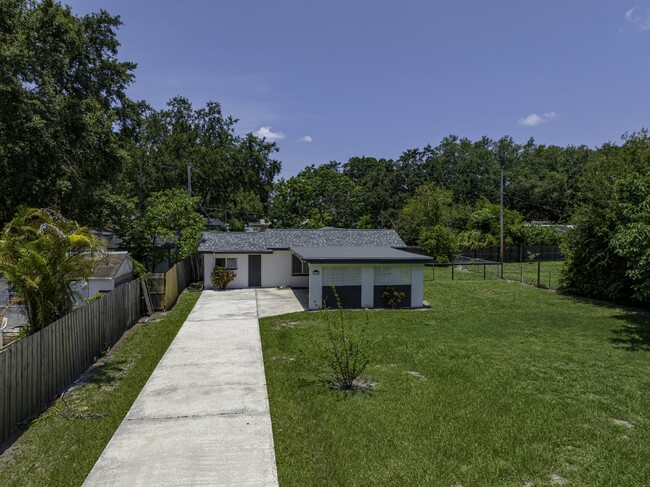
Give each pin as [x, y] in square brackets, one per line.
[392, 297]
[221, 277]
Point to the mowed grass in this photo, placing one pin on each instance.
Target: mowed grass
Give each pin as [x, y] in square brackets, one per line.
[497, 384]
[61, 447]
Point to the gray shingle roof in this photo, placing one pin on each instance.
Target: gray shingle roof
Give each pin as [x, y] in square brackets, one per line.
[107, 267]
[342, 255]
[260, 242]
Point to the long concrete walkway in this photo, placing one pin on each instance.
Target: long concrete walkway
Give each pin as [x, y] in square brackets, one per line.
[203, 417]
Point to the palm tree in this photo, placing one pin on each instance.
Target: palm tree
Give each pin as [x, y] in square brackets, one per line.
[41, 255]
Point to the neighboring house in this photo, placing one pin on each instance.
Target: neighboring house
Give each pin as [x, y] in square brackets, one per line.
[109, 272]
[360, 264]
[257, 226]
[16, 314]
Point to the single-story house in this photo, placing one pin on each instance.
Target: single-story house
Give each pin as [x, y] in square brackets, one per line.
[360, 264]
[114, 269]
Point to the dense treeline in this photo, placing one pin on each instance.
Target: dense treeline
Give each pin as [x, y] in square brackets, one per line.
[541, 183]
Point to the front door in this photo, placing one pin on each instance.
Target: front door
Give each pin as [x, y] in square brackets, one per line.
[254, 270]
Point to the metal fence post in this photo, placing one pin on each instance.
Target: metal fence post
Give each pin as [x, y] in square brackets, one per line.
[484, 272]
[521, 272]
[452, 272]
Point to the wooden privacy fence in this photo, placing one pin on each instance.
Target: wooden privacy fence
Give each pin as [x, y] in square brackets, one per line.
[168, 286]
[35, 370]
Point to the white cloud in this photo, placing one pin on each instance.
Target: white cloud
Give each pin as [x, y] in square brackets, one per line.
[639, 17]
[533, 119]
[306, 138]
[268, 134]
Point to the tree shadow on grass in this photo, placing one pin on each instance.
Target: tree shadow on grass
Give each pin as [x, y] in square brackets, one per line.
[634, 334]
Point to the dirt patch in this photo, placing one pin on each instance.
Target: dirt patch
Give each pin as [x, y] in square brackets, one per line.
[416, 374]
[623, 422]
[557, 479]
[357, 385]
[285, 358]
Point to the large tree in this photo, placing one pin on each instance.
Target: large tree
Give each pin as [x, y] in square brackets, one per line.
[317, 196]
[232, 175]
[64, 107]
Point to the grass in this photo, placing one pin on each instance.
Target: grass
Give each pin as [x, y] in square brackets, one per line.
[525, 272]
[498, 384]
[61, 447]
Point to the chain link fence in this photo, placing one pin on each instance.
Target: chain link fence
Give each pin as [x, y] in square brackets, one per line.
[541, 274]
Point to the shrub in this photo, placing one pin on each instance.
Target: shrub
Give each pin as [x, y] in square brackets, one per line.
[221, 277]
[392, 297]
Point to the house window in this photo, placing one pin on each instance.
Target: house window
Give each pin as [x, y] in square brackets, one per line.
[299, 267]
[226, 263]
[392, 275]
[342, 276]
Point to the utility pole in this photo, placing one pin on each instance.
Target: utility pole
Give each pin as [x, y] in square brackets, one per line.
[501, 239]
[189, 180]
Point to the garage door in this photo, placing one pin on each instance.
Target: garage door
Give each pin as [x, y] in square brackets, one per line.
[347, 285]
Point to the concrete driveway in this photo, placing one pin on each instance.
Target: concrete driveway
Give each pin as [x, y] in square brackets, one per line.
[203, 416]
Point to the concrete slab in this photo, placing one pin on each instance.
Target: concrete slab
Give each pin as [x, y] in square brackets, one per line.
[273, 302]
[227, 450]
[203, 416]
[171, 401]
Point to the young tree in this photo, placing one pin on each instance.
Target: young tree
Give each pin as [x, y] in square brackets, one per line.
[41, 255]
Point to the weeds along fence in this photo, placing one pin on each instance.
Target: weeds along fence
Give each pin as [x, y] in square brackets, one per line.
[166, 287]
[541, 274]
[38, 368]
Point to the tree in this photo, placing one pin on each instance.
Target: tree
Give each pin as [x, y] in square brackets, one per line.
[430, 207]
[440, 242]
[231, 175]
[64, 111]
[41, 255]
[317, 196]
[607, 251]
[169, 217]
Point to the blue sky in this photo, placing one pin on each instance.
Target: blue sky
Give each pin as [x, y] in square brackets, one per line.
[336, 79]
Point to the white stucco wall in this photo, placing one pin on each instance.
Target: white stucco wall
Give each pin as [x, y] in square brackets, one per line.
[367, 283]
[241, 274]
[276, 270]
[417, 286]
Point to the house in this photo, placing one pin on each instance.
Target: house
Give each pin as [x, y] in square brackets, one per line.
[109, 272]
[360, 264]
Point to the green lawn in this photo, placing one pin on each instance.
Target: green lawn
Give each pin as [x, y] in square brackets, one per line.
[525, 272]
[61, 447]
[498, 384]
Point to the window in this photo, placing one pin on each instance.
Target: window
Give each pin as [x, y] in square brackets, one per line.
[392, 276]
[299, 267]
[342, 276]
[226, 263]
